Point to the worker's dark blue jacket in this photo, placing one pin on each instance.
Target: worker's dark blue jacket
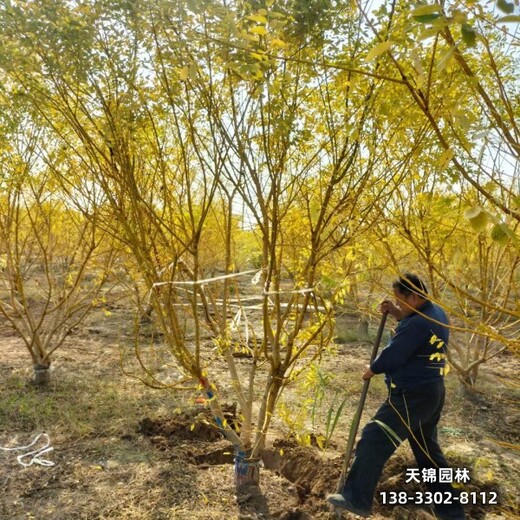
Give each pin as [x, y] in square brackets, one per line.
[415, 354]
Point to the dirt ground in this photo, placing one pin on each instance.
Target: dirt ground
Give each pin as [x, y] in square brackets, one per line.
[125, 451]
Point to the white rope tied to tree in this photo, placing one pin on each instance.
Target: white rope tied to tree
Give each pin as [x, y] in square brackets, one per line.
[35, 454]
[294, 291]
[254, 281]
[205, 280]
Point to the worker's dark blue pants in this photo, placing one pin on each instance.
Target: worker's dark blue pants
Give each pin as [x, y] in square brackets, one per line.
[411, 415]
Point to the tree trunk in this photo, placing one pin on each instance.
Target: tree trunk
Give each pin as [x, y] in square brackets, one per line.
[146, 316]
[363, 327]
[42, 375]
[247, 470]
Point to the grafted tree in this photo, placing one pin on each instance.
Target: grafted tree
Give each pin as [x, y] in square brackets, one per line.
[176, 114]
[56, 263]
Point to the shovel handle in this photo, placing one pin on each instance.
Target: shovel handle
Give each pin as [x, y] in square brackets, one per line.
[357, 417]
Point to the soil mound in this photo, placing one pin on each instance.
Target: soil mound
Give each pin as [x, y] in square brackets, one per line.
[191, 424]
[312, 475]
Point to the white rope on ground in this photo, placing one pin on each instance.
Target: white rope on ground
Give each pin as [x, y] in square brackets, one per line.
[36, 454]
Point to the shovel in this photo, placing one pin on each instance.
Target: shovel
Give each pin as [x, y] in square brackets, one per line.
[357, 417]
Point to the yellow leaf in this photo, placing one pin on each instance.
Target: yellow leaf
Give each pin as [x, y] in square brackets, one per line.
[184, 73]
[192, 427]
[249, 37]
[512, 18]
[505, 6]
[500, 234]
[257, 56]
[433, 339]
[478, 218]
[379, 49]
[281, 452]
[426, 9]
[428, 33]
[257, 18]
[445, 59]
[275, 42]
[258, 29]
[445, 158]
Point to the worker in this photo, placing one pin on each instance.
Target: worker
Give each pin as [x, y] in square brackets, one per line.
[414, 364]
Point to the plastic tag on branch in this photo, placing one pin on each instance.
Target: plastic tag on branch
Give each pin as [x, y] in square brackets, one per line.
[256, 278]
[378, 50]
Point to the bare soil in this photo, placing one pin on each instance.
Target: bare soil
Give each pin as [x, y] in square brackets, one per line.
[125, 451]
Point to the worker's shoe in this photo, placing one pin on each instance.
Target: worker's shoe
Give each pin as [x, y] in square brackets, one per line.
[341, 504]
